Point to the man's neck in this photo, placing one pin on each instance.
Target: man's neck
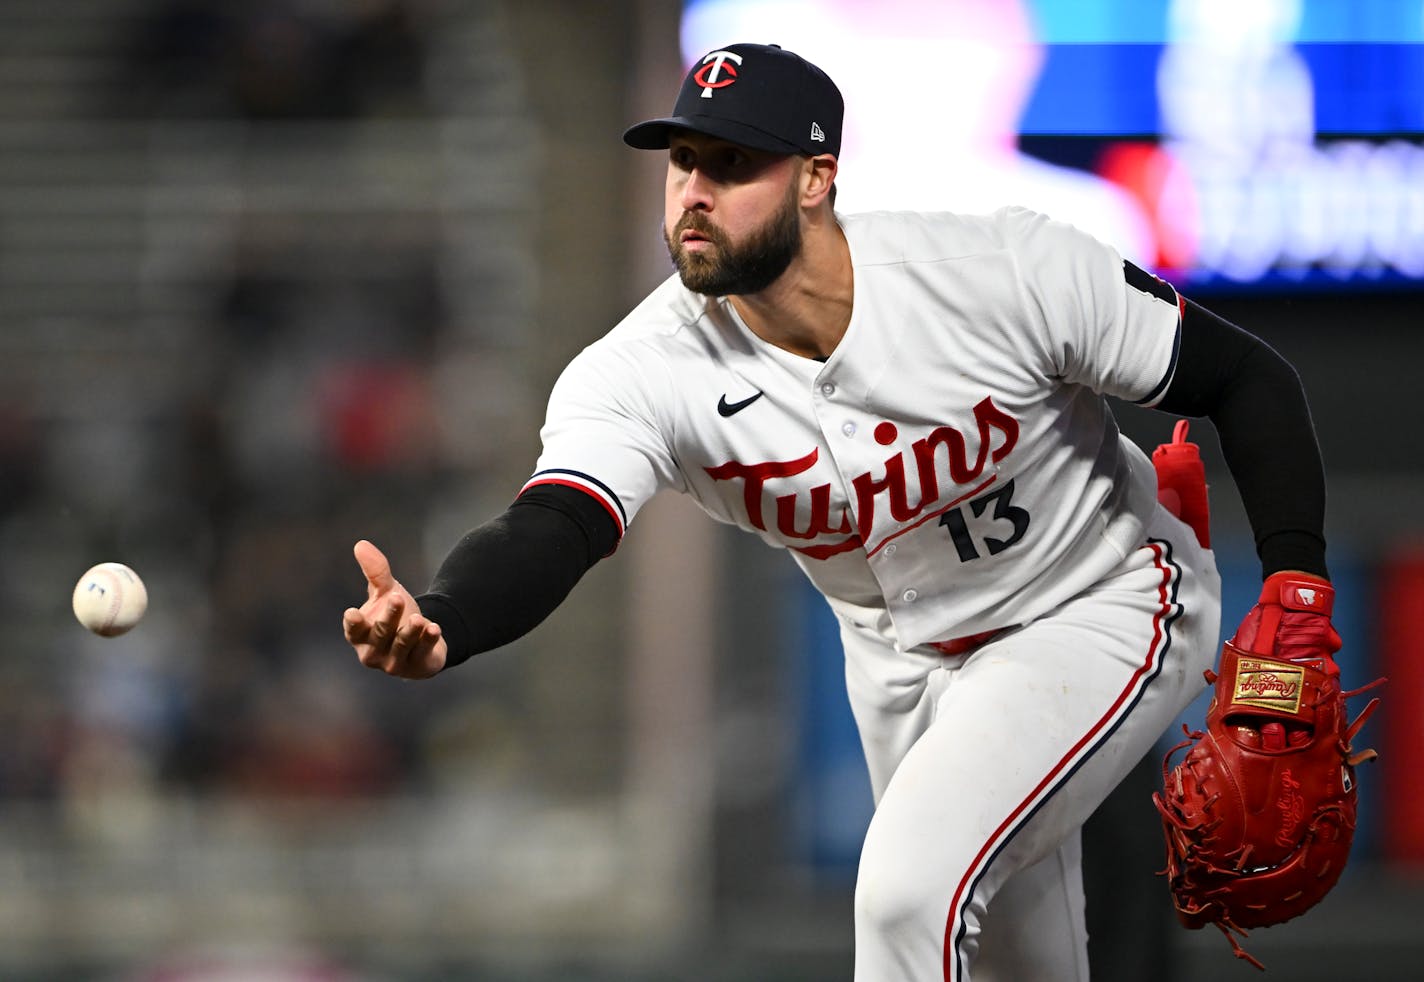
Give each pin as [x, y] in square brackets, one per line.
[807, 310]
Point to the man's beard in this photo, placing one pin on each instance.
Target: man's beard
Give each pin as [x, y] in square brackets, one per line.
[731, 270]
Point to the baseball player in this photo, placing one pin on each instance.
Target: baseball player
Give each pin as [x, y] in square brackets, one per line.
[913, 405]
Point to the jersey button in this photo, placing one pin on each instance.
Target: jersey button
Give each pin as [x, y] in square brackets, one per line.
[890, 551]
[828, 389]
[848, 429]
[909, 596]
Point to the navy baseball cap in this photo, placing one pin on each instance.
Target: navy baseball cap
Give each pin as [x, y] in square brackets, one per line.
[756, 95]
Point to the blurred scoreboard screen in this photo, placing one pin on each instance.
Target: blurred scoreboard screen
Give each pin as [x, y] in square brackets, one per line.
[1227, 144]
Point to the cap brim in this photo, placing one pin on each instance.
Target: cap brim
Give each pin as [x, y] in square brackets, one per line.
[655, 134]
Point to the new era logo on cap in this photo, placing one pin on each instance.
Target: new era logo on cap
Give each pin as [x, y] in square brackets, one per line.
[757, 95]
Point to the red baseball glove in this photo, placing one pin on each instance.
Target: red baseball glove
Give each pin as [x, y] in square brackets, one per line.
[1260, 813]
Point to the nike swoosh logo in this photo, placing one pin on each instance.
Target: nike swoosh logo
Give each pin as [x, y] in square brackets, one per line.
[726, 408]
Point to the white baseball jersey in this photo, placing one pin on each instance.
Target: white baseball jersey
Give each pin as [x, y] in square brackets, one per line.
[952, 468]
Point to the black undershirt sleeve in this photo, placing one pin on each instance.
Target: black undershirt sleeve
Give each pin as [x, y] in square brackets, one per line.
[504, 577]
[1255, 400]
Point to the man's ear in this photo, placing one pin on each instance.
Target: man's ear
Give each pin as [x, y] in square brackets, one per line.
[817, 179]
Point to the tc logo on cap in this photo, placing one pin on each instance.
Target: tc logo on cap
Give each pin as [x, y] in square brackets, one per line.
[715, 73]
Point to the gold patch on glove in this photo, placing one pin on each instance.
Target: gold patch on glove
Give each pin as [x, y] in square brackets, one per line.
[1267, 684]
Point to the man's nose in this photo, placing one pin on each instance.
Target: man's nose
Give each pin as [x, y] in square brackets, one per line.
[697, 191]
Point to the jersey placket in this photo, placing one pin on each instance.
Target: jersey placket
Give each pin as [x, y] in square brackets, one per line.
[849, 431]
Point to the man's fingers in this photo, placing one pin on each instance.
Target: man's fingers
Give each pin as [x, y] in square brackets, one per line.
[408, 635]
[375, 567]
[388, 631]
[415, 650]
[387, 620]
[355, 626]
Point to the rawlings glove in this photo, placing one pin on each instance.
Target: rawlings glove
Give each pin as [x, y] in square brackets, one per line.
[1260, 813]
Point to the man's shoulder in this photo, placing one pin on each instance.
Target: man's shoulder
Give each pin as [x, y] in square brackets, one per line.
[667, 320]
[891, 236]
[665, 312]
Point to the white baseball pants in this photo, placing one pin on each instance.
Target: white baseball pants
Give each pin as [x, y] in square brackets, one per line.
[985, 766]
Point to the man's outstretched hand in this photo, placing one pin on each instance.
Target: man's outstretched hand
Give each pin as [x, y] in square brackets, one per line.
[388, 631]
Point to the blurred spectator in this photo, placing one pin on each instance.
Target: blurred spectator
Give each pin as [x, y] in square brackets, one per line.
[381, 56]
[284, 66]
[175, 61]
[278, 59]
[19, 452]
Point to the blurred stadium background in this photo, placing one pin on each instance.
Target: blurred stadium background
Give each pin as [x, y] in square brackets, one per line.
[279, 274]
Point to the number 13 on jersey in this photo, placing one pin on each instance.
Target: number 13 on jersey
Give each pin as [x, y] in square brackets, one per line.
[969, 525]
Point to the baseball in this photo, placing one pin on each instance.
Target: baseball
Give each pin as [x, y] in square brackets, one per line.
[110, 599]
